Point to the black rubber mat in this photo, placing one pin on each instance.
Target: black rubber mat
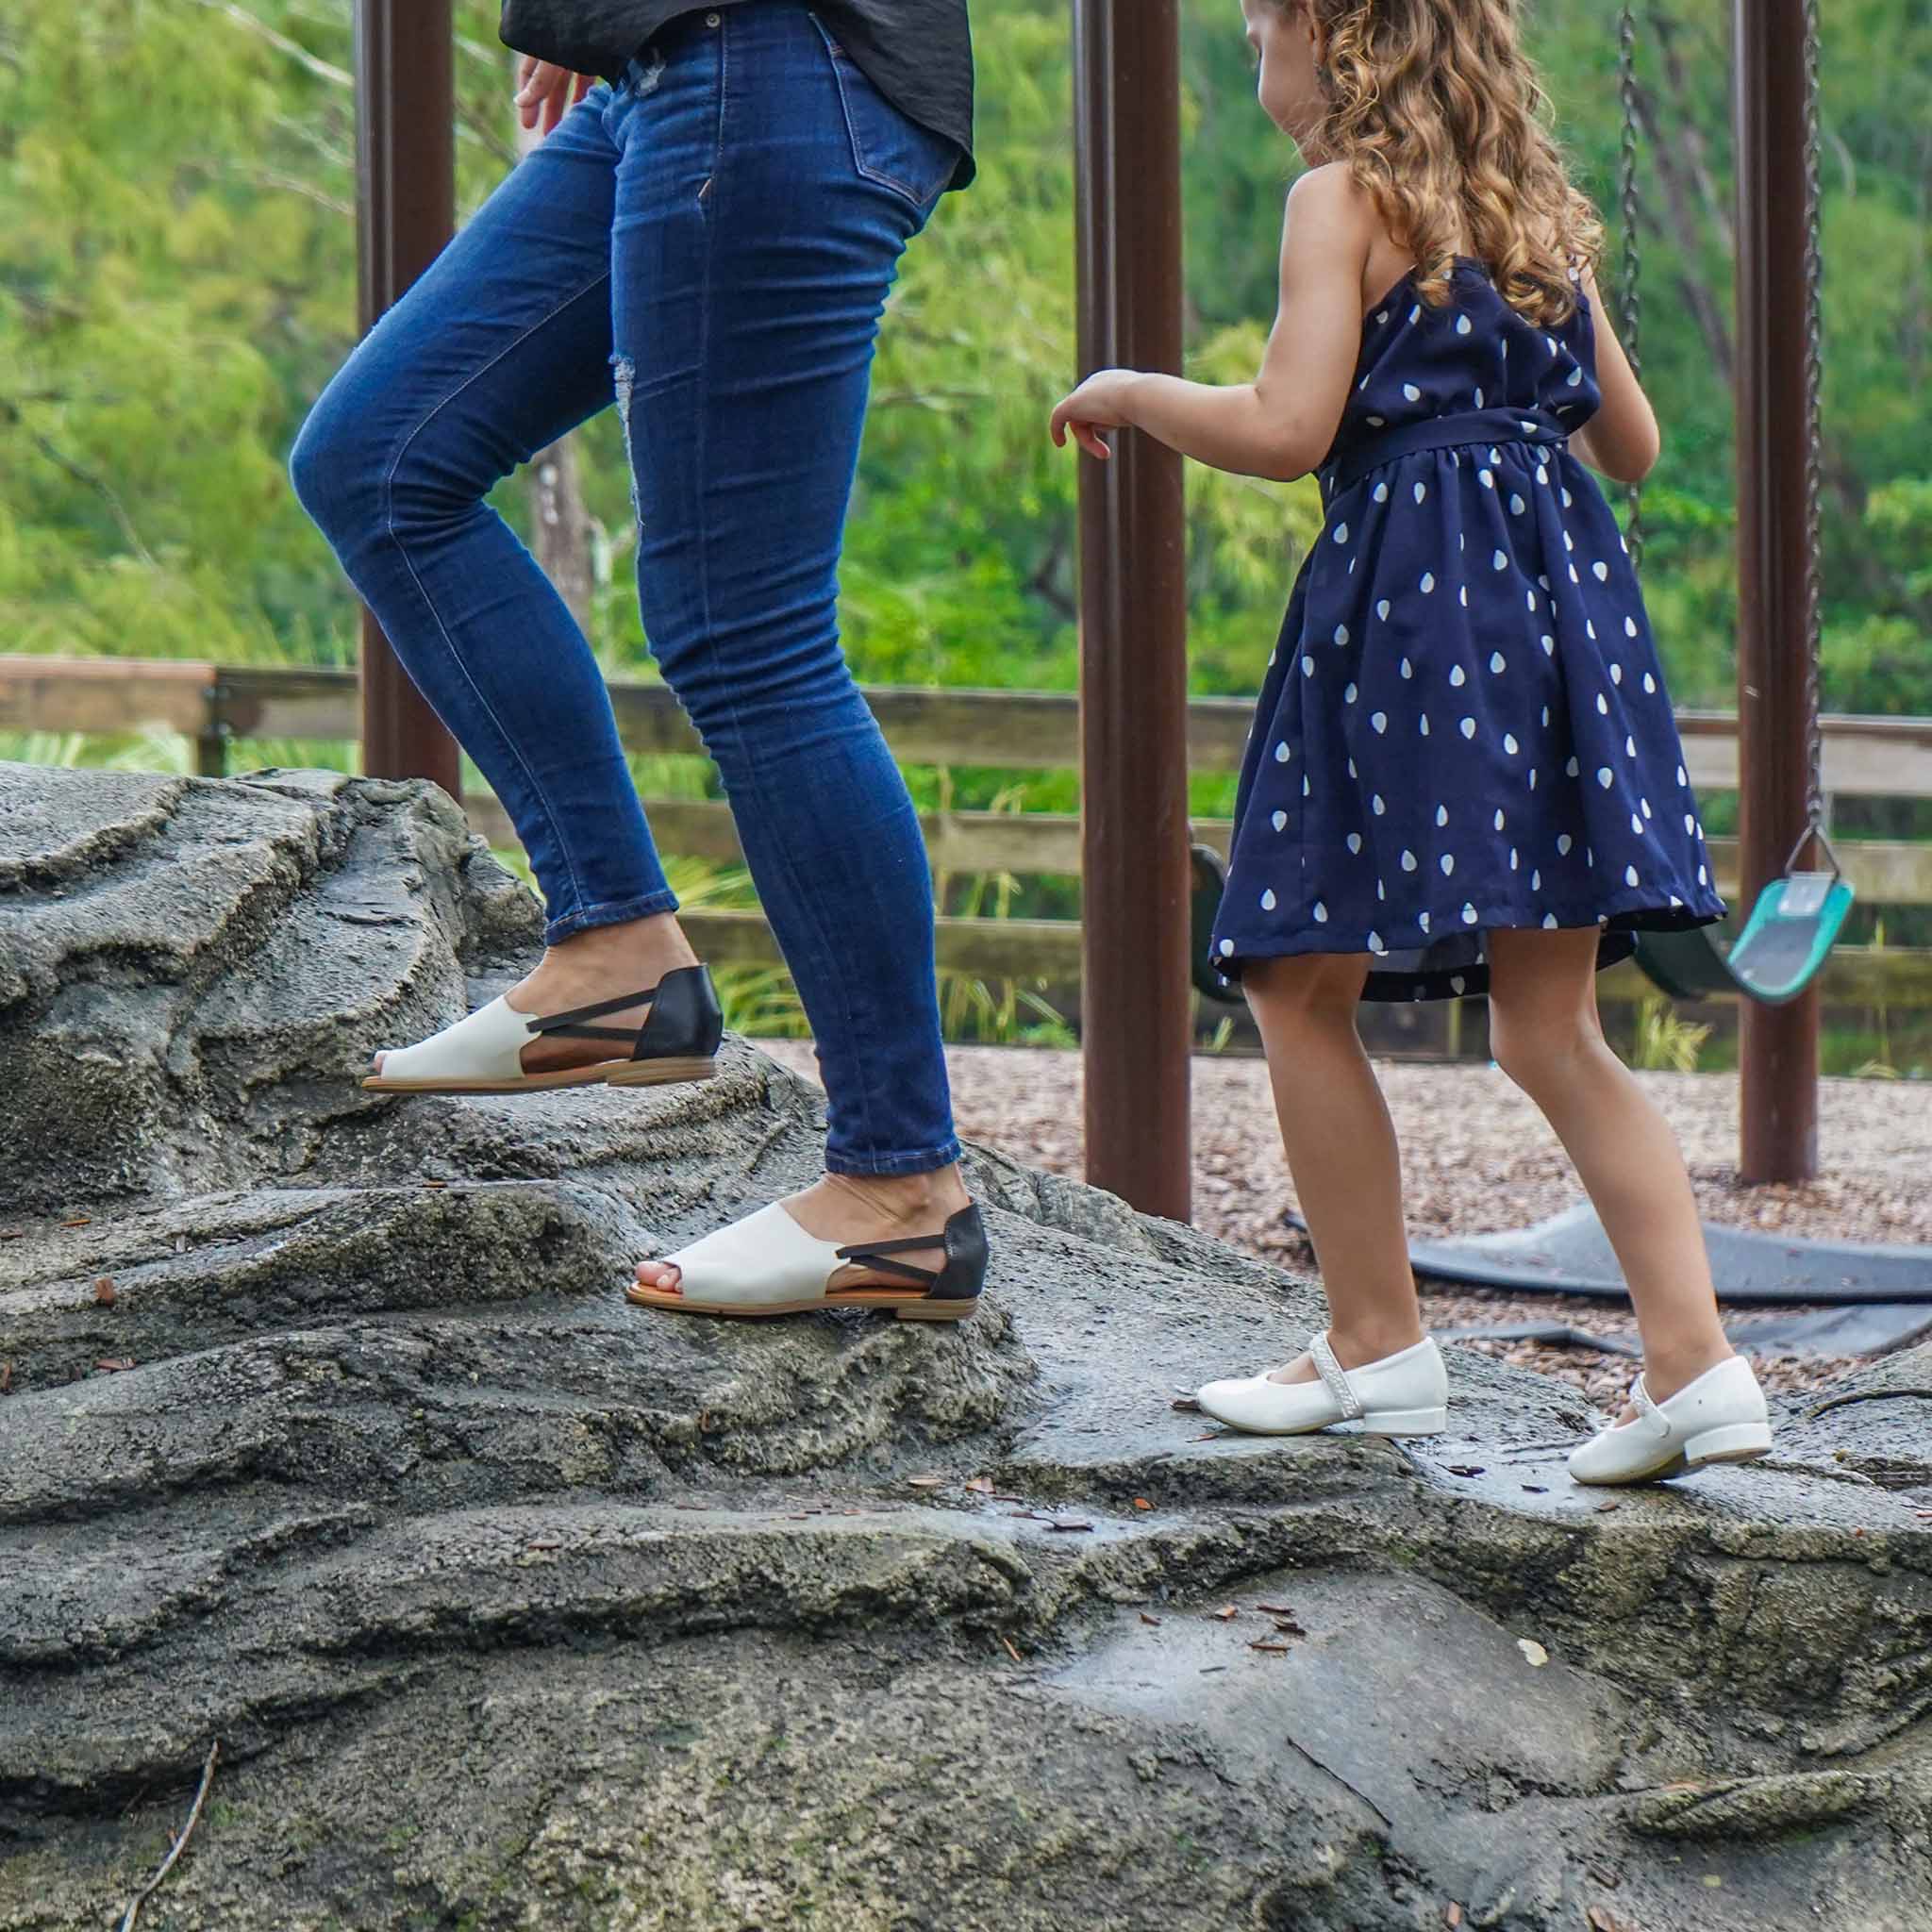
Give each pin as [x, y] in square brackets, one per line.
[1847, 1297]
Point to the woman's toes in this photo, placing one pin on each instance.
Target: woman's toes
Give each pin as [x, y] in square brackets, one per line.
[663, 1276]
[376, 1060]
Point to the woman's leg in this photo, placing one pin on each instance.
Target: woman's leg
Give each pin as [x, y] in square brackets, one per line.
[502, 346]
[1546, 1036]
[753, 259]
[1341, 1152]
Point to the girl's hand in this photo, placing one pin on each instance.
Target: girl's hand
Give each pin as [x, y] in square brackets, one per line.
[545, 91]
[1100, 403]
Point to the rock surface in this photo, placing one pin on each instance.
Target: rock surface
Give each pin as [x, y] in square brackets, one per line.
[511, 1605]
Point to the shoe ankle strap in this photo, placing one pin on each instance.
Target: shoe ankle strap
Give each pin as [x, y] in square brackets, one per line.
[1332, 1373]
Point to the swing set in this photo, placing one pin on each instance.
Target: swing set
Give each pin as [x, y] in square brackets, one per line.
[1798, 915]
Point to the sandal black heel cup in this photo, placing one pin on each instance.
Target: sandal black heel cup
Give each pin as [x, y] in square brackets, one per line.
[685, 1021]
[964, 1273]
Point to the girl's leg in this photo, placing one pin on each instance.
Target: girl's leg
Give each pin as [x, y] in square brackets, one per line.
[1341, 1152]
[753, 259]
[502, 346]
[1545, 1033]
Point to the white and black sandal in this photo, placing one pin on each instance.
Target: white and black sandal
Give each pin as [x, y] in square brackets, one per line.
[484, 1053]
[767, 1264]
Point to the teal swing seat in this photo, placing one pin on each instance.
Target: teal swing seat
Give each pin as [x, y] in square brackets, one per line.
[1782, 949]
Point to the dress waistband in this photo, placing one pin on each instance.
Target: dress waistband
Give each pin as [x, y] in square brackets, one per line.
[1441, 432]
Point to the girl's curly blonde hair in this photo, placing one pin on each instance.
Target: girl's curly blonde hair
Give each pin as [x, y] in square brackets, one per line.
[1439, 114]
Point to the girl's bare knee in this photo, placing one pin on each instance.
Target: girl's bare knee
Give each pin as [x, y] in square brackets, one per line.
[1539, 1050]
[1313, 990]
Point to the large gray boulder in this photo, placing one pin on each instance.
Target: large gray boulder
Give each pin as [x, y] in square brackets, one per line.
[512, 1605]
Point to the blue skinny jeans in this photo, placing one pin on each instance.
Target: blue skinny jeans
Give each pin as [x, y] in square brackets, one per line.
[709, 245]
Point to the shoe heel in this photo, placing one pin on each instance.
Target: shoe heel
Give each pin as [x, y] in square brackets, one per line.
[660, 1073]
[1406, 1421]
[956, 1309]
[1738, 1442]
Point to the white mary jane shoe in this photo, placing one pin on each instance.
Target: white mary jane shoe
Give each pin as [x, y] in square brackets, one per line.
[1404, 1394]
[767, 1264]
[1719, 1418]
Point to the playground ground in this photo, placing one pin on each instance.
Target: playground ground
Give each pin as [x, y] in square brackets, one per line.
[1477, 1158]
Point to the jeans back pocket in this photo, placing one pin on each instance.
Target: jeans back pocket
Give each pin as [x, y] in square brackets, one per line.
[889, 148]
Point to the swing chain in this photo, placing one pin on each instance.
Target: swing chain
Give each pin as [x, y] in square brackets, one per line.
[1629, 278]
[1814, 445]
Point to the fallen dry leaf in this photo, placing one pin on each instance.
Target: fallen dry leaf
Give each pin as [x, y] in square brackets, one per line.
[927, 1482]
[1228, 1615]
[103, 1290]
[1212, 1435]
[5, 1376]
[1278, 1649]
[1607, 1502]
[981, 1485]
[1069, 1529]
[1452, 1916]
[81, 1221]
[1275, 1609]
[114, 1364]
[436, 1184]
[549, 1543]
[1141, 1503]
[1289, 1628]
[1533, 1650]
[1186, 1404]
[1155, 1622]
[1011, 1651]
[1465, 1469]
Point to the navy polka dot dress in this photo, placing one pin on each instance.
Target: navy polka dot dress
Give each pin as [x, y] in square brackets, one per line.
[1464, 727]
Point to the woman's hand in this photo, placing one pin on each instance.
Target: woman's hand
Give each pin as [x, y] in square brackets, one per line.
[545, 91]
[1100, 403]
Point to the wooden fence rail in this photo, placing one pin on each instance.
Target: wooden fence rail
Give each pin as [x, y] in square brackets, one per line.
[216, 705]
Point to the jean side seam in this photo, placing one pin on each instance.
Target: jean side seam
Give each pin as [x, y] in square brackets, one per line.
[807, 904]
[429, 603]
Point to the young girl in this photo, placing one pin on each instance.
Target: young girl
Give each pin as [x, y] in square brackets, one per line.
[1465, 775]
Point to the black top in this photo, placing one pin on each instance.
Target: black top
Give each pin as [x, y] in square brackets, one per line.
[916, 53]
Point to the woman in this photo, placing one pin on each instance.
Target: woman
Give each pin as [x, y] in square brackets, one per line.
[707, 238]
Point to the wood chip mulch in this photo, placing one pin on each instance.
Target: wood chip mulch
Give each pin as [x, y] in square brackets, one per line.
[1477, 1158]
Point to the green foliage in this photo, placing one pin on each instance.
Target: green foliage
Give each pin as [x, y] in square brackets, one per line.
[176, 282]
[1665, 1042]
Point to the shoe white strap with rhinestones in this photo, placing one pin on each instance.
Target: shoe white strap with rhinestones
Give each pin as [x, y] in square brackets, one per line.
[1332, 1373]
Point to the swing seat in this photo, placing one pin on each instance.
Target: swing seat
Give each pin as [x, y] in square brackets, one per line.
[1782, 949]
[1209, 872]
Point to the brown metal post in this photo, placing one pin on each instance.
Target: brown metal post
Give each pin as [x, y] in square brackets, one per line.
[1136, 1005]
[1778, 1045]
[405, 213]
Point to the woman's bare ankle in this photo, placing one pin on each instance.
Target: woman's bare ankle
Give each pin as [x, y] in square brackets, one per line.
[658, 943]
[911, 1198]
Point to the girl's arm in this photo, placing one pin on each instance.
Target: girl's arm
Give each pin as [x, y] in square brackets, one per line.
[1622, 439]
[1281, 424]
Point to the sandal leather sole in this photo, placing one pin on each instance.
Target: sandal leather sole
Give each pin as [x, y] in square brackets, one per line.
[659, 1073]
[880, 1300]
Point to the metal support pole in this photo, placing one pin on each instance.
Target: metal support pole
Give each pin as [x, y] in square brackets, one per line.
[1136, 1004]
[405, 213]
[1778, 1045]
